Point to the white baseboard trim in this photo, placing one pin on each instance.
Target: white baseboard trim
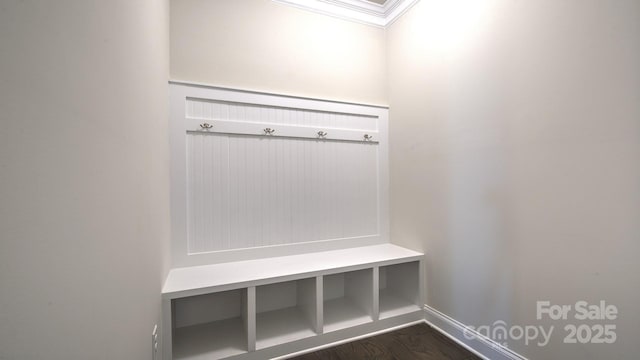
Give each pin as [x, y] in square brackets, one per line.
[351, 339]
[480, 345]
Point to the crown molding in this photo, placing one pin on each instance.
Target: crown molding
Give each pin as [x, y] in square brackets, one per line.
[360, 11]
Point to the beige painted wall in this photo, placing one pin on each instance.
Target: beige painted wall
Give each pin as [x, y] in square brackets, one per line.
[265, 46]
[515, 159]
[83, 177]
[515, 153]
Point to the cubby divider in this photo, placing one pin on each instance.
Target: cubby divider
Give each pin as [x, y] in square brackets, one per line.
[286, 311]
[233, 310]
[399, 289]
[212, 326]
[348, 299]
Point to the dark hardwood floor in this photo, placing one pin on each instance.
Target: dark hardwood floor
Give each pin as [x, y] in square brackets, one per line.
[415, 342]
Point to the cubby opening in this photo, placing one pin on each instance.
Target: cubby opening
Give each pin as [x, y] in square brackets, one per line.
[348, 299]
[210, 326]
[266, 307]
[399, 289]
[286, 312]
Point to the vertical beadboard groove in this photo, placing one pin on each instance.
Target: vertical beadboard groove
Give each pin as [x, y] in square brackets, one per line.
[190, 192]
[247, 191]
[199, 164]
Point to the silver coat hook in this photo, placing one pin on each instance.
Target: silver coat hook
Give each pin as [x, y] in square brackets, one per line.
[368, 137]
[269, 131]
[206, 126]
[322, 134]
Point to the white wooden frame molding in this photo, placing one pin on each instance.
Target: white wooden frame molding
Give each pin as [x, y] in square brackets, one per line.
[182, 124]
[287, 131]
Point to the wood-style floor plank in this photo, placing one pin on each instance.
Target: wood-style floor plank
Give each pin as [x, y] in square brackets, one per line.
[418, 342]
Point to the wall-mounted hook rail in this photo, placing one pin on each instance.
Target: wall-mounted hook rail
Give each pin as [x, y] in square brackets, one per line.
[284, 131]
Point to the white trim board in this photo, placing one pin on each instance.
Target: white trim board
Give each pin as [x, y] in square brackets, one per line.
[250, 91]
[483, 351]
[352, 339]
[481, 345]
[360, 11]
[196, 280]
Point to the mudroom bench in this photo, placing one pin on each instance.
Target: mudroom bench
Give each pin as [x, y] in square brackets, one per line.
[273, 307]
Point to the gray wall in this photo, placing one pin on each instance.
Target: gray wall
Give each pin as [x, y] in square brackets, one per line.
[83, 177]
[515, 159]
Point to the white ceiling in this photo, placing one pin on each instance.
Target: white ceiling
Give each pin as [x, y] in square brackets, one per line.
[371, 12]
[381, 2]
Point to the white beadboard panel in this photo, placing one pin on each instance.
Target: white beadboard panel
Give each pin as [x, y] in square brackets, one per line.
[239, 194]
[208, 192]
[205, 109]
[246, 192]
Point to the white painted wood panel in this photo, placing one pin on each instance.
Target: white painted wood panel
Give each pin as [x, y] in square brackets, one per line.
[279, 130]
[244, 308]
[243, 112]
[238, 194]
[197, 280]
[246, 191]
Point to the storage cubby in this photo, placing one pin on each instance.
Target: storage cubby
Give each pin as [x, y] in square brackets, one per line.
[399, 289]
[259, 309]
[348, 299]
[286, 311]
[210, 326]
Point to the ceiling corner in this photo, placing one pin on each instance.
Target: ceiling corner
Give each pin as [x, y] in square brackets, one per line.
[380, 13]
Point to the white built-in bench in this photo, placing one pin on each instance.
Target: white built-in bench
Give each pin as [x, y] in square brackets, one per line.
[280, 226]
[266, 308]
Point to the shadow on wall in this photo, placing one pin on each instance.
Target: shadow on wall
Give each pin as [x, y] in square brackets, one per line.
[514, 161]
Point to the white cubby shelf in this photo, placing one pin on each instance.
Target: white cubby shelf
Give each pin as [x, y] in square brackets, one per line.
[271, 307]
[286, 311]
[397, 289]
[348, 299]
